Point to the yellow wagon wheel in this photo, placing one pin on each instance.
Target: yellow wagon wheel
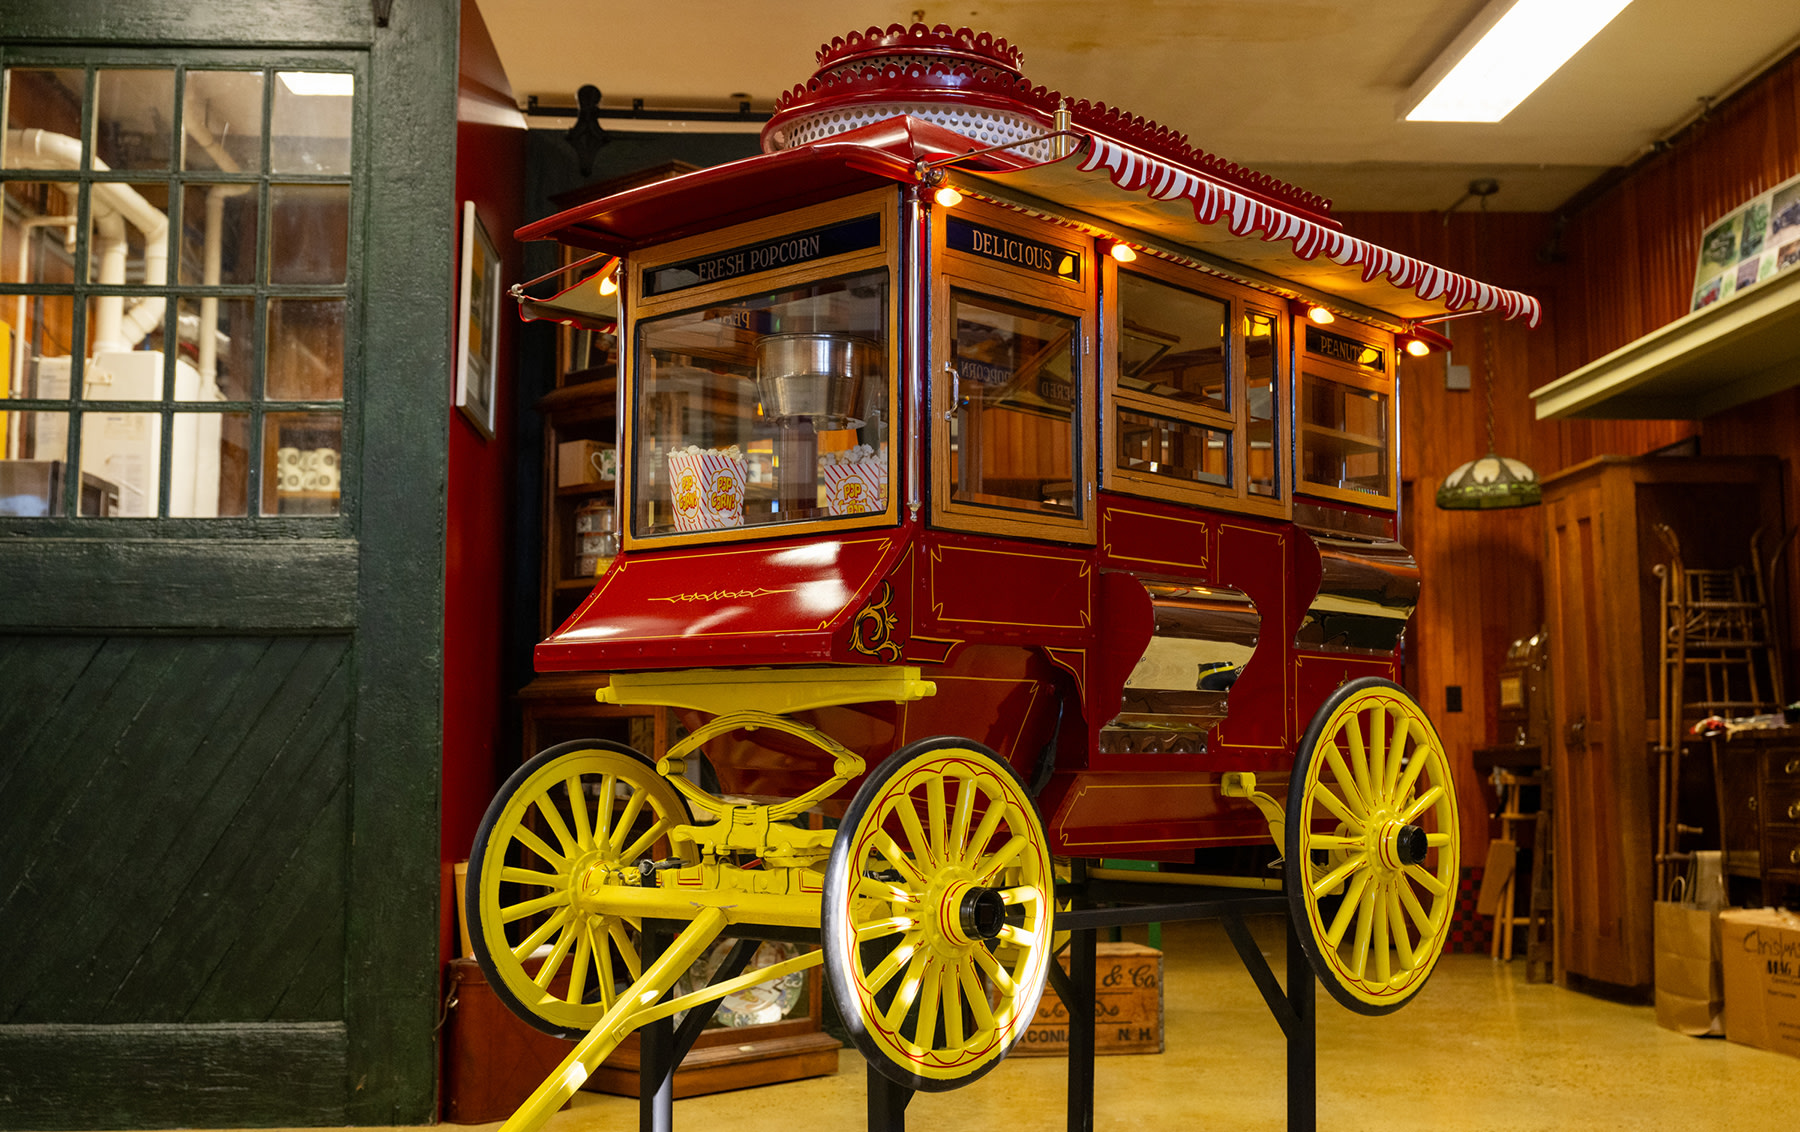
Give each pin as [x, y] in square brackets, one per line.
[937, 914]
[576, 817]
[1372, 846]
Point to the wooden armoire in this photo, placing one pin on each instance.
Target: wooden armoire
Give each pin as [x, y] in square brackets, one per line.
[1602, 605]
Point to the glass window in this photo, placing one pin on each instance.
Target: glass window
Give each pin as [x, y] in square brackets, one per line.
[133, 112]
[310, 127]
[223, 121]
[128, 234]
[1016, 371]
[767, 409]
[1174, 449]
[37, 239]
[43, 106]
[218, 234]
[1262, 391]
[199, 311]
[1172, 343]
[302, 465]
[1344, 436]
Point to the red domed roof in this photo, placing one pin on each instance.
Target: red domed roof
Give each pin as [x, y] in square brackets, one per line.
[970, 81]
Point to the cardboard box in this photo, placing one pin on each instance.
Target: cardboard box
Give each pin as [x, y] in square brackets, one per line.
[1128, 1007]
[1760, 950]
[578, 462]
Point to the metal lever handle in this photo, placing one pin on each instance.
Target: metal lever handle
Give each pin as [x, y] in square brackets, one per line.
[957, 401]
[1794, 855]
[1793, 810]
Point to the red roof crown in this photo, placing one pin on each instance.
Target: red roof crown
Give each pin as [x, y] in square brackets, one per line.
[940, 44]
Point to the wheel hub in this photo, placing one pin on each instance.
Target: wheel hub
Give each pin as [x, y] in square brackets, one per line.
[592, 874]
[1401, 845]
[983, 913]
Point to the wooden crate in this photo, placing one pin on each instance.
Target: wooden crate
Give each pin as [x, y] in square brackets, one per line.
[1128, 1009]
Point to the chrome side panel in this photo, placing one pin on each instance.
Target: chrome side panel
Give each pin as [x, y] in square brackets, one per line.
[1201, 631]
[1366, 593]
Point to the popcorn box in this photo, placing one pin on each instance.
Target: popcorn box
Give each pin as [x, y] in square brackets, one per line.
[706, 488]
[854, 487]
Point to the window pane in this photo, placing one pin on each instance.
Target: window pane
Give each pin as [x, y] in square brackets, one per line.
[1172, 343]
[223, 120]
[1174, 449]
[306, 350]
[47, 101]
[215, 363]
[1344, 436]
[128, 241]
[310, 130]
[1012, 436]
[133, 114]
[769, 409]
[121, 464]
[39, 331]
[302, 463]
[309, 233]
[218, 234]
[209, 465]
[37, 242]
[1262, 387]
[32, 451]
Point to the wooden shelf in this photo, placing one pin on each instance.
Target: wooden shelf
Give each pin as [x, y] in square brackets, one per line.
[592, 397]
[586, 488]
[1344, 441]
[576, 584]
[1717, 357]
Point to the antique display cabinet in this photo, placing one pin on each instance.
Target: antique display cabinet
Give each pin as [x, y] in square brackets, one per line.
[1003, 485]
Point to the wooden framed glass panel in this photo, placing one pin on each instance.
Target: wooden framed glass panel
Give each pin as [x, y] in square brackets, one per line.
[185, 305]
[1345, 414]
[759, 378]
[1195, 389]
[1012, 377]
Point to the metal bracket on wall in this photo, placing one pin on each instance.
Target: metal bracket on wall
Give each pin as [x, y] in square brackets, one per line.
[383, 9]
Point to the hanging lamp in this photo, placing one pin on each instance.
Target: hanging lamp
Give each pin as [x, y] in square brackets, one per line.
[1493, 481]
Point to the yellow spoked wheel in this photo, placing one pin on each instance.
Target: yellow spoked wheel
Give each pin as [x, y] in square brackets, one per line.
[1372, 846]
[575, 819]
[937, 914]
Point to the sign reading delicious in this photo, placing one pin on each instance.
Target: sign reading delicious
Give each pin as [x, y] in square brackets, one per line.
[991, 243]
[790, 250]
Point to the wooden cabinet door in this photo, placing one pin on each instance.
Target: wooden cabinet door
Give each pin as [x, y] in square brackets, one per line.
[1598, 803]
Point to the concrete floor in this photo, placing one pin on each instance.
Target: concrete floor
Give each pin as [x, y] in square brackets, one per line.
[1479, 1049]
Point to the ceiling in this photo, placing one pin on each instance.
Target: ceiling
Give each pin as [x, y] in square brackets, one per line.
[1307, 90]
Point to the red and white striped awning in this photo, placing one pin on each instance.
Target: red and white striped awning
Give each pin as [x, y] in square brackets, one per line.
[1167, 200]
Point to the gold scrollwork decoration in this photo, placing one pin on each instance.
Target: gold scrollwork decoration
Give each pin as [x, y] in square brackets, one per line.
[722, 595]
[872, 632]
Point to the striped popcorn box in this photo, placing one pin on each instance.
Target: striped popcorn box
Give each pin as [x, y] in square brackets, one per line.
[854, 487]
[706, 487]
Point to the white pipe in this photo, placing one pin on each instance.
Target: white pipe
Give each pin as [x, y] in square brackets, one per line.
[115, 328]
[208, 338]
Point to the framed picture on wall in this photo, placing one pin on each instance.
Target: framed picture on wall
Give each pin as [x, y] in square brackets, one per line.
[478, 323]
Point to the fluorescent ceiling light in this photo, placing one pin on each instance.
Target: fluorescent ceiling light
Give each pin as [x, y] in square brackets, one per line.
[333, 84]
[1504, 55]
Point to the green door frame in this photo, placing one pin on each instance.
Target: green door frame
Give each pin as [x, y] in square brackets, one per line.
[380, 581]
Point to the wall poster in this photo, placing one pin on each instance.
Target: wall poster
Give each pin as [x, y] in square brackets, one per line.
[1757, 239]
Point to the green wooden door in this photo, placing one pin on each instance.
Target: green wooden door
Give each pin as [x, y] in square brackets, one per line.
[225, 302]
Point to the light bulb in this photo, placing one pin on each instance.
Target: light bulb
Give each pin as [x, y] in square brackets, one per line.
[947, 196]
[1417, 348]
[1124, 253]
[608, 285]
[1321, 316]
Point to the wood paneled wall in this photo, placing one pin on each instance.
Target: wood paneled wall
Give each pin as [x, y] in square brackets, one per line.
[1619, 267]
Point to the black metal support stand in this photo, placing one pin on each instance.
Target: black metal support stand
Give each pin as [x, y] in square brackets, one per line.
[1113, 904]
[1097, 905]
[887, 1103]
[661, 1045]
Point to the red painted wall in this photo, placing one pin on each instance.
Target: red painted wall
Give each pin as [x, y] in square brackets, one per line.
[490, 170]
